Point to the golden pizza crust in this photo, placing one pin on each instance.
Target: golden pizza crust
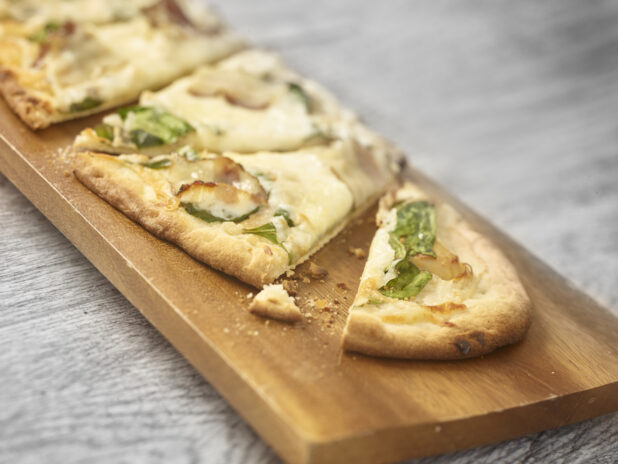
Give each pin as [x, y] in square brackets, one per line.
[497, 313]
[33, 110]
[274, 302]
[250, 258]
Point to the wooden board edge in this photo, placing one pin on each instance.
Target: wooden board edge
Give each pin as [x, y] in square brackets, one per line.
[395, 444]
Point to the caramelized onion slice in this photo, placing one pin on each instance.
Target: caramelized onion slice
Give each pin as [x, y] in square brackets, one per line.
[445, 265]
[236, 87]
[220, 170]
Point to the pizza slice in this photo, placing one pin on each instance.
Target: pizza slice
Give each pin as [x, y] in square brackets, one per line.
[246, 103]
[253, 216]
[433, 288]
[68, 59]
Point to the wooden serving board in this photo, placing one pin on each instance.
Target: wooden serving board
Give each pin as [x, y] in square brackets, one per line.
[309, 401]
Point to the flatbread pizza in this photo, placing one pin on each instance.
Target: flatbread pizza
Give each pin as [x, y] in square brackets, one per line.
[433, 287]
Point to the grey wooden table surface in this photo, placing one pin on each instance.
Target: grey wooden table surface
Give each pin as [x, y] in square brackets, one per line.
[511, 105]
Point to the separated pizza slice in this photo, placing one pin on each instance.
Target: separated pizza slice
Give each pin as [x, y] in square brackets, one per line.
[75, 58]
[253, 216]
[246, 103]
[433, 288]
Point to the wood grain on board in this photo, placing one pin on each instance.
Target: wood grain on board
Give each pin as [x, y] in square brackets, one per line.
[309, 401]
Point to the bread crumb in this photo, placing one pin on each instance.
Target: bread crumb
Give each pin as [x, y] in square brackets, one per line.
[317, 272]
[342, 286]
[273, 301]
[289, 286]
[249, 295]
[305, 280]
[358, 252]
[289, 273]
[321, 304]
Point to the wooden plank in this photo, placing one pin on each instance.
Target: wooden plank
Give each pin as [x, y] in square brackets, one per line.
[310, 402]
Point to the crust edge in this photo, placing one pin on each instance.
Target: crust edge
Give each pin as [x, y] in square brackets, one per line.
[31, 109]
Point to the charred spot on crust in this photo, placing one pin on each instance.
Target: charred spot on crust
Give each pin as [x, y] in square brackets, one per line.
[463, 346]
[479, 337]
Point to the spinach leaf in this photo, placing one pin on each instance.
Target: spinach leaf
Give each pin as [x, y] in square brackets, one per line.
[286, 215]
[409, 282]
[400, 249]
[86, 104]
[105, 131]
[189, 153]
[416, 228]
[152, 126]
[205, 215]
[300, 93]
[159, 164]
[142, 139]
[414, 233]
[123, 112]
[40, 36]
[268, 231]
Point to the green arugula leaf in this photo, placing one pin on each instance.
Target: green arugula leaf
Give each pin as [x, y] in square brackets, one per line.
[268, 231]
[286, 215]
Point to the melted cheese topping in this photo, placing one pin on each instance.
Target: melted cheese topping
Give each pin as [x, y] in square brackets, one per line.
[363, 175]
[316, 200]
[284, 124]
[115, 62]
[299, 182]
